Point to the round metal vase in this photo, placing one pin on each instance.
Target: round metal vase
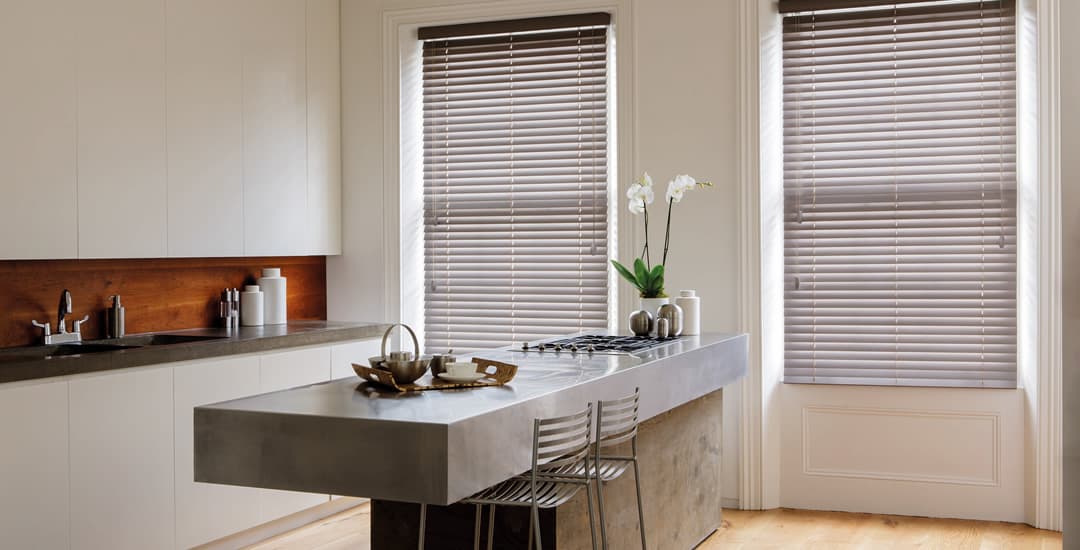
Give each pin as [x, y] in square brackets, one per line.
[674, 316]
[641, 323]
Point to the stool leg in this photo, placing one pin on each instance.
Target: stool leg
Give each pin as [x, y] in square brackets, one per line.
[530, 533]
[491, 525]
[536, 525]
[600, 504]
[423, 523]
[592, 521]
[640, 508]
[476, 528]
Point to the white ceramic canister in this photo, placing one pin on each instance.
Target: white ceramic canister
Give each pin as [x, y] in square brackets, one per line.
[653, 304]
[690, 303]
[273, 287]
[251, 306]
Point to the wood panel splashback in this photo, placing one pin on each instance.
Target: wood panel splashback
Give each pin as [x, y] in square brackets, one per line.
[158, 294]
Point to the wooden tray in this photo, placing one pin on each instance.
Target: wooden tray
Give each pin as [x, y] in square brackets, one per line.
[495, 374]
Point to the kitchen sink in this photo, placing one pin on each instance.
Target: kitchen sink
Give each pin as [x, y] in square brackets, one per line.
[141, 340]
[82, 349]
[37, 353]
[61, 350]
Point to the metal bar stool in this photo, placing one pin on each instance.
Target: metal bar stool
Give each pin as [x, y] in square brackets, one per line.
[616, 423]
[560, 466]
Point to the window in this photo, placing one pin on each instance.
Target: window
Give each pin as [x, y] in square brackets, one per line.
[515, 180]
[900, 193]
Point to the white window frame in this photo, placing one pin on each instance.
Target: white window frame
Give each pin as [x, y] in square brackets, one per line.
[403, 126]
[761, 253]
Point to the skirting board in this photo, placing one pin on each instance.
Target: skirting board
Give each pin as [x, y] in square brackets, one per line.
[274, 528]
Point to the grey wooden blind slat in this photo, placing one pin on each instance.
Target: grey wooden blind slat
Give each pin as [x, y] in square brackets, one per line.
[515, 184]
[900, 195]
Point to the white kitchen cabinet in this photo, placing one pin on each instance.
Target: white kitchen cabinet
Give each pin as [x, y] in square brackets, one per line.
[120, 53]
[205, 127]
[275, 126]
[324, 126]
[121, 457]
[37, 130]
[208, 511]
[281, 371]
[34, 466]
[342, 356]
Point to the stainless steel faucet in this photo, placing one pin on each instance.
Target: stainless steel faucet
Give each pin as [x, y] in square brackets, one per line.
[62, 311]
[62, 335]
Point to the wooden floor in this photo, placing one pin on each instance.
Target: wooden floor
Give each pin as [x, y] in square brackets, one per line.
[773, 529]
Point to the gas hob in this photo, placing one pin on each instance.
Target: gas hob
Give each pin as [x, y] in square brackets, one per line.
[596, 343]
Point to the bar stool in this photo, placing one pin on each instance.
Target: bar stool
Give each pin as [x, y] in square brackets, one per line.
[560, 466]
[616, 423]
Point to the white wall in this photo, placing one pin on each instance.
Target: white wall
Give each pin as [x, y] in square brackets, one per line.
[682, 106]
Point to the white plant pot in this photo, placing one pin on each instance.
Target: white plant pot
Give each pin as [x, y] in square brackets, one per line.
[653, 304]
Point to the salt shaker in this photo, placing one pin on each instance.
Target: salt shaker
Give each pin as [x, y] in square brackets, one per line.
[663, 327]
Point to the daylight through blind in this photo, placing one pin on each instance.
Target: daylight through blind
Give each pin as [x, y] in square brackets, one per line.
[900, 195]
[515, 181]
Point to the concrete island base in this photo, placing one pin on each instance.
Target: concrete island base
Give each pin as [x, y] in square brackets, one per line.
[679, 453]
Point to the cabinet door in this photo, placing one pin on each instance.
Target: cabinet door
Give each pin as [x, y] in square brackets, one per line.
[122, 460]
[205, 128]
[34, 466]
[37, 130]
[275, 128]
[324, 126]
[281, 371]
[208, 511]
[121, 131]
[344, 355]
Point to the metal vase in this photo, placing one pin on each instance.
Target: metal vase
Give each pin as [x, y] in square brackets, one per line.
[641, 323]
[674, 316]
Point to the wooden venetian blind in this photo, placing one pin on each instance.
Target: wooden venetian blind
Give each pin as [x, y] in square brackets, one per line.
[900, 193]
[515, 180]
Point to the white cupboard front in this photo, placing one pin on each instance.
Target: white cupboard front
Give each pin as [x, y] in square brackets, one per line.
[121, 450]
[120, 53]
[208, 511]
[34, 465]
[281, 371]
[38, 213]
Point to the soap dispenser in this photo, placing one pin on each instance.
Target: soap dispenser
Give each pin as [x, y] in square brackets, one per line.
[115, 324]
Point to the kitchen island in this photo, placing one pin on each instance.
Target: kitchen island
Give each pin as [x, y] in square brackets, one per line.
[346, 437]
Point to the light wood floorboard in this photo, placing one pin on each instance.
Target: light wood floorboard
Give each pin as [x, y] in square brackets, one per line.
[773, 529]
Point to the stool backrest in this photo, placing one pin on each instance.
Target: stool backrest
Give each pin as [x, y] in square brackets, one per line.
[561, 440]
[617, 420]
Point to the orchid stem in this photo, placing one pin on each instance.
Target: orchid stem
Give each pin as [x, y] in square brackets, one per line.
[645, 251]
[667, 233]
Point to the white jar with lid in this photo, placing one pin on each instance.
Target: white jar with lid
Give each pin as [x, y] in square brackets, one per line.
[690, 303]
[274, 297]
[251, 306]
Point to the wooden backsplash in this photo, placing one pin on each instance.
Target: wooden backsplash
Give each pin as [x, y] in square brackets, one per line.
[158, 294]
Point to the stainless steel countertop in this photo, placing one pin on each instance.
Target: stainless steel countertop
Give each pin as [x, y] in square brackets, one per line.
[346, 437]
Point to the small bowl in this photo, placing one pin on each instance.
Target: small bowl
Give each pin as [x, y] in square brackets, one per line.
[404, 372]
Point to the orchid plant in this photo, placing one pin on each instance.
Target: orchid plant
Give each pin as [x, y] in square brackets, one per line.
[647, 278]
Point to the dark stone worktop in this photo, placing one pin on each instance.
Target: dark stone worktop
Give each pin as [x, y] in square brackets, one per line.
[32, 363]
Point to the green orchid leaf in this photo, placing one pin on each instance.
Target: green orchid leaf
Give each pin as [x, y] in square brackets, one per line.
[626, 274]
[656, 280]
[642, 272]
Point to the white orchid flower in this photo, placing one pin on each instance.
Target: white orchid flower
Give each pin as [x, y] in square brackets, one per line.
[640, 194]
[679, 186]
[646, 180]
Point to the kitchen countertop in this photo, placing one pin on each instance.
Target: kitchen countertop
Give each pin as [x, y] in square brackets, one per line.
[29, 364]
[347, 437]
